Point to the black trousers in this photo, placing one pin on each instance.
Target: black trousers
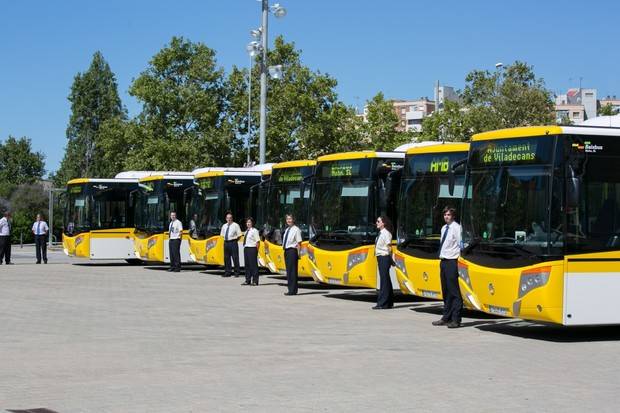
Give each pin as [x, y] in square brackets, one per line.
[452, 299]
[5, 248]
[231, 250]
[40, 243]
[385, 298]
[291, 261]
[174, 245]
[250, 254]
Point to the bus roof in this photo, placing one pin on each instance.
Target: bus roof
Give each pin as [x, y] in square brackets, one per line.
[359, 155]
[101, 180]
[440, 147]
[185, 175]
[533, 131]
[294, 164]
[220, 170]
[144, 174]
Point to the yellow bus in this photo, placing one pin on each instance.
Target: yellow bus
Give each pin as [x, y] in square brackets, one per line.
[432, 178]
[158, 194]
[216, 192]
[541, 224]
[258, 197]
[288, 193]
[349, 191]
[98, 218]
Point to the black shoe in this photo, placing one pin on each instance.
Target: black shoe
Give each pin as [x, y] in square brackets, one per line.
[226, 275]
[10, 263]
[45, 262]
[255, 284]
[245, 283]
[379, 307]
[441, 322]
[38, 262]
[176, 270]
[236, 275]
[454, 324]
[169, 270]
[290, 293]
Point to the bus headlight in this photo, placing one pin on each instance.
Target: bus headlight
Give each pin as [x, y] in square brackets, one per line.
[534, 278]
[399, 262]
[464, 274]
[211, 244]
[356, 257]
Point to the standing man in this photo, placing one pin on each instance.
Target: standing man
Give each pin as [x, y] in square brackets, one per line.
[5, 238]
[291, 243]
[231, 233]
[175, 232]
[40, 231]
[449, 252]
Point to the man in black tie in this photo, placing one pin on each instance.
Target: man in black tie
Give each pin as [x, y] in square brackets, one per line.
[449, 252]
[40, 231]
[231, 233]
[291, 243]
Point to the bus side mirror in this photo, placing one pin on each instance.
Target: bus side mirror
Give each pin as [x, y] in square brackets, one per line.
[451, 182]
[573, 189]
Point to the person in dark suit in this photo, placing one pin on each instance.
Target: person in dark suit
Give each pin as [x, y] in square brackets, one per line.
[251, 241]
[40, 230]
[5, 238]
[291, 243]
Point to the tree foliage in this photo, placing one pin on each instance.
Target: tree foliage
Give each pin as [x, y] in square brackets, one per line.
[508, 98]
[380, 130]
[608, 110]
[182, 124]
[94, 100]
[18, 164]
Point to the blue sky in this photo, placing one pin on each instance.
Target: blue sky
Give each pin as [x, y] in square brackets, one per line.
[399, 47]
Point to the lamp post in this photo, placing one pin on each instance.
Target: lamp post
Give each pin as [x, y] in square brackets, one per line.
[278, 11]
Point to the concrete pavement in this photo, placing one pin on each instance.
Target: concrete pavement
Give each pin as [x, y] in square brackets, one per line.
[119, 338]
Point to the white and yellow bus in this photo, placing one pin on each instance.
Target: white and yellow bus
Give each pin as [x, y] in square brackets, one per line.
[432, 178]
[288, 192]
[258, 197]
[158, 194]
[98, 218]
[216, 192]
[541, 224]
[349, 191]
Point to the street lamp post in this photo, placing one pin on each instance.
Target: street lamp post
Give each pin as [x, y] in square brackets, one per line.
[277, 11]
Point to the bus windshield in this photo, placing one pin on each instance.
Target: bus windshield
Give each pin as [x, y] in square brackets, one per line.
[422, 201]
[286, 199]
[507, 211]
[207, 208]
[77, 211]
[149, 209]
[341, 210]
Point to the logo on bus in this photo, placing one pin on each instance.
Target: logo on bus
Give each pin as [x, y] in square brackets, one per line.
[440, 165]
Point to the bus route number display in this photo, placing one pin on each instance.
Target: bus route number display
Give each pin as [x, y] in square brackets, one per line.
[341, 169]
[439, 164]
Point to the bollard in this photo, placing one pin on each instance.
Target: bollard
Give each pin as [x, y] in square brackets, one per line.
[21, 239]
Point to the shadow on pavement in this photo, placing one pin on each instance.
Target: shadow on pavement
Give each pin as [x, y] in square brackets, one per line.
[102, 264]
[371, 296]
[553, 333]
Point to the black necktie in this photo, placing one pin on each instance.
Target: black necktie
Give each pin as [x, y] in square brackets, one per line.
[226, 233]
[285, 237]
[443, 238]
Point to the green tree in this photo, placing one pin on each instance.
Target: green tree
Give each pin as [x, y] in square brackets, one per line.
[18, 164]
[305, 118]
[94, 100]
[26, 201]
[508, 98]
[381, 129]
[182, 124]
[608, 110]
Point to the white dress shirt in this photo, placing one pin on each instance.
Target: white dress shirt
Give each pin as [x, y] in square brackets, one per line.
[451, 247]
[40, 227]
[175, 229]
[252, 238]
[233, 233]
[5, 227]
[291, 237]
[383, 243]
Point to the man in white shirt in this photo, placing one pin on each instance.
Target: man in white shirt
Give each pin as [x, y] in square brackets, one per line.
[449, 252]
[175, 233]
[5, 238]
[231, 233]
[40, 231]
[291, 243]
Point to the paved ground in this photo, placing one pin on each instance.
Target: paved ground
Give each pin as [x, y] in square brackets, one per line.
[116, 338]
